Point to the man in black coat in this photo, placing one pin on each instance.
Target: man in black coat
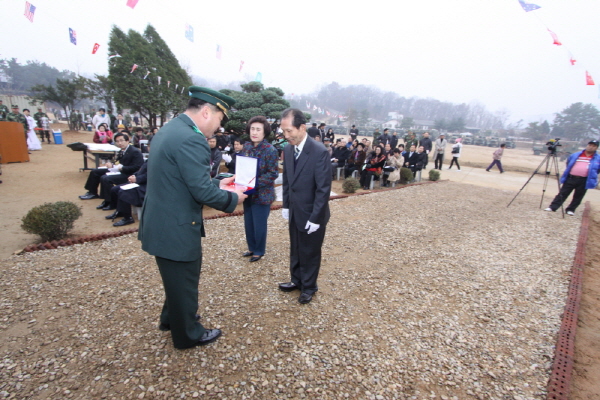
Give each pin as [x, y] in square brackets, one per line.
[394, 140]
[129, 160]
[339, 156]
[427, 145]
[313, 131]
[384, 138]
[122, 199]
[306, 190]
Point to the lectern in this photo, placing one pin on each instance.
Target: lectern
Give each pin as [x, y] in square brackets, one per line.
[13, 147]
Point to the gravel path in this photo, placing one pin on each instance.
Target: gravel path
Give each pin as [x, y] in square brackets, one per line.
[430, 292]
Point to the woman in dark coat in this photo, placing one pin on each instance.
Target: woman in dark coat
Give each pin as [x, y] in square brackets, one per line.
[374, 166]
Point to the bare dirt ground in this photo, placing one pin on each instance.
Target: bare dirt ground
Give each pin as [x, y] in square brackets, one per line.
[52, 175]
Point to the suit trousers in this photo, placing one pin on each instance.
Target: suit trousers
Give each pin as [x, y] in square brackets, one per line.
[180, 280]
[439, 160]
[255, 223]
[573, 183]
[108, 181]
[93, 180]
[305, 257]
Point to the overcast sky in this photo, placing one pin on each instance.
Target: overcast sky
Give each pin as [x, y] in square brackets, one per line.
[490, 51]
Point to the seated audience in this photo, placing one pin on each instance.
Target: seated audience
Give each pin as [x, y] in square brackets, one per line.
[374, 166]
[238, 146]
[215, 157]
[356, 160]
[102, 136]
[137, 136]
[121, 200]
[339, 156]
[393, 164]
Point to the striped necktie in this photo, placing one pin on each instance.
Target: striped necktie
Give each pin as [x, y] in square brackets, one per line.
[296, 152]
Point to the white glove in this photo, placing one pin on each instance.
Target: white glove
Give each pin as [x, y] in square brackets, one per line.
[227, 158]
[311, 227]
[285, 213]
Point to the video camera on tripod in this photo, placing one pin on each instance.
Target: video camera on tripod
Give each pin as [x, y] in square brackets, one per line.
[553, 144]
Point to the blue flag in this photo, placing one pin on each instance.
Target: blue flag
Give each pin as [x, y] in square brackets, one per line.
[189, 32]
[528, 6]
[258, 77]
[73, 36]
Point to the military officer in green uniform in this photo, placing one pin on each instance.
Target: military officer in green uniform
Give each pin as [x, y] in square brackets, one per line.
[16, 116]
[3, 111]
[171, 227]
[73, 121]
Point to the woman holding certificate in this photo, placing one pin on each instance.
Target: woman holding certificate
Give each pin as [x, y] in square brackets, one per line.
[258, 205]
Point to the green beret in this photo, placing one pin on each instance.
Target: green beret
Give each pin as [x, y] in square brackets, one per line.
[218, 99]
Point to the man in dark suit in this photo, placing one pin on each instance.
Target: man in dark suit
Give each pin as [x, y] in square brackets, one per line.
[306, 190]
[313, 131]
[129, 160]
[339, 156]
[322, 131]
[122, 200]
[179, 185]
[119, 121]
[412, 158]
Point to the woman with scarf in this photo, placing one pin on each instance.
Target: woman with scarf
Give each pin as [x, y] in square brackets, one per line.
[373, 167]
[258, 205]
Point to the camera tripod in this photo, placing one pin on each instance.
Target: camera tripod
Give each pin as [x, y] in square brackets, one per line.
[551, 163]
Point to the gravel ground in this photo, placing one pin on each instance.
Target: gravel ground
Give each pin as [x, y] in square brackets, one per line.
[429, 292]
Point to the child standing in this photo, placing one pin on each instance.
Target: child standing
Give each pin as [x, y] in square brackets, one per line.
[497, 156]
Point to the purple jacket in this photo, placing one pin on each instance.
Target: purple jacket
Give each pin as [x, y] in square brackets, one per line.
[268, 171]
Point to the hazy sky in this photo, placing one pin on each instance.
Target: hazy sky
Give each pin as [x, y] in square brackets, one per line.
[490, 51]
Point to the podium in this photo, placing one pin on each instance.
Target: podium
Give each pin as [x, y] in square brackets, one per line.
[13, 147]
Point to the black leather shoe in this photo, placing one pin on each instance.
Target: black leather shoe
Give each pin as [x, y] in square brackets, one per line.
[209, 336]
[108, 208]
[89, 196]
[288, 287]
[167, 327]
[255, 258]
[113, 215]
[305, 298]
[248, 254]
[124, 221]
[102, 205]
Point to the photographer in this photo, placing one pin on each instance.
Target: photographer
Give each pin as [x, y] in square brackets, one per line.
[581, 174]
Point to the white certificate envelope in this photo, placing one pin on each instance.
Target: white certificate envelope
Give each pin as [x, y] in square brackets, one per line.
[246, 173]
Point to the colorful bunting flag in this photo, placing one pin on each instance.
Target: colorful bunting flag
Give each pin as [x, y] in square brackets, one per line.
[189, 32]
[572, 60]
[314, 107]
[176, 86]
[554, 38]
[29, 11]
[73, 36]
[168, 84]
[132, 3]
[95, 49]
[308, 105]
[588, 79]
[219, 51]
[147, 73]
[528, 6]
[159, 79]
[133, 68]
[327, 112]
[258, 77]
[241, 65]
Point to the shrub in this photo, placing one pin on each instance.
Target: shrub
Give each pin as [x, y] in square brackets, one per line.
[406, 175]
[350, 185]
[51, 221]
[434, 175]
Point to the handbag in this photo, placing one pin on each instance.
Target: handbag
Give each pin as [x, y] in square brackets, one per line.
[455, 150]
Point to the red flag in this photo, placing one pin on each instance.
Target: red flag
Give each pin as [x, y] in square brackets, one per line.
[555, 38]
[572, 60]
[133, 68]
[132, 3]
[95, 49]
[588, 79]
[241, 65]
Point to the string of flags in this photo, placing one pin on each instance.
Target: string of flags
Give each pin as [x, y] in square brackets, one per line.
[321, 110]
[528, 7]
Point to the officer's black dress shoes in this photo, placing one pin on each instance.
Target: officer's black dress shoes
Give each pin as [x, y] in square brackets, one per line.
[108, 208]
[305, 298]
[288, 287]
[167, 327]
[113, 215]
[102, 205]
[248, 254]
[89, 196]
[209, 336]
[255, 258]
[124, 221]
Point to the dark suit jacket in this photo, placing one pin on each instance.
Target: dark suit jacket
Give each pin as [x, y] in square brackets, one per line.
[413, 159]
[307, 186]
[313, 132]
[131, 159]
[342, 154]
[136, 195]
[117, 123]
[179, 184]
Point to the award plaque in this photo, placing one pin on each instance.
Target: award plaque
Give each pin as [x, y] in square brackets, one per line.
[246, 172]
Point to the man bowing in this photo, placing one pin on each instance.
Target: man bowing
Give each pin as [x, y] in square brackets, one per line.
[306, 189]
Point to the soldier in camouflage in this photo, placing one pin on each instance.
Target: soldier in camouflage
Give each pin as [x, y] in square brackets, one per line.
[16, 116]
[3, 111]
[38, 117]
[73, 121]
